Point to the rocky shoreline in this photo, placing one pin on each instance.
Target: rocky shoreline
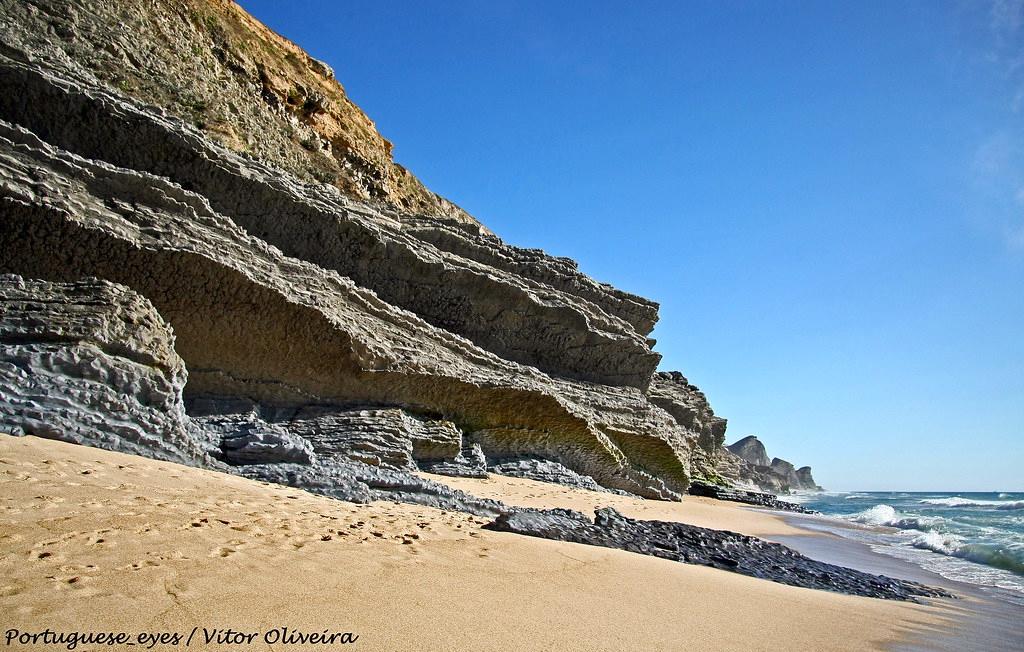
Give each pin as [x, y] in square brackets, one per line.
[720, 549]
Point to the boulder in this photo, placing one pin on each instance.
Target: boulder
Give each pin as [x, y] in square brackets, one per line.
[92, 362]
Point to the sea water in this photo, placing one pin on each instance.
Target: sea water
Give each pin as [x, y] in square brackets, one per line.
[968, 537]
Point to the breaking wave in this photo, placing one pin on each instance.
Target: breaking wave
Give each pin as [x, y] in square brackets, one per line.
[970, 502]
[877, 515]
[856, 497]
[975, 537]
[1005, 557]
[889, 517]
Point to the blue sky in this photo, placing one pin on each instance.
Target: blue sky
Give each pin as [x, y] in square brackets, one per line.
[827, 199]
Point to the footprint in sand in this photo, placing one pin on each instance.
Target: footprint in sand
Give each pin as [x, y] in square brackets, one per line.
[10, 590]
[169, 555]
[68, 581]
[175, 589]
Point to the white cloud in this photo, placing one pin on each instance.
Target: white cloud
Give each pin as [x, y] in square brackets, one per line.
[996, 159]
[997, 166]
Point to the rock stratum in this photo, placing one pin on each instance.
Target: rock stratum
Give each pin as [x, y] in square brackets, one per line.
[287, 297]
[208, 256]
[215, 67]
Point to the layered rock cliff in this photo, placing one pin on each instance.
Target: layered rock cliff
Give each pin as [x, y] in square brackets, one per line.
[321, 318]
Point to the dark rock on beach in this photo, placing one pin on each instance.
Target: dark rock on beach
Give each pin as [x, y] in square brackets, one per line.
[725, 550]
[757, 498]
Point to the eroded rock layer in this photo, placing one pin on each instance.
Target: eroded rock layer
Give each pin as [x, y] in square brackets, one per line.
[672, 392]
[564, 323]
[92, 363]
[253, 323]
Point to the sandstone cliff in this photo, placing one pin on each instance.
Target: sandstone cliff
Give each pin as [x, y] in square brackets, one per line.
[302, 309]
[214, 66]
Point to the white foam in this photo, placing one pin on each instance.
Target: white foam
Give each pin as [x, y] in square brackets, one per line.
[946, 544]
[886, 515]
[877, 515]
[970, 502]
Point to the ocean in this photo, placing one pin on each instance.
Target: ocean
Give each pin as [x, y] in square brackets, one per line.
[976, 538]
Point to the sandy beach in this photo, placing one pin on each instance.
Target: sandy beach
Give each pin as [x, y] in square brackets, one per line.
[92, 540]
[695, 510]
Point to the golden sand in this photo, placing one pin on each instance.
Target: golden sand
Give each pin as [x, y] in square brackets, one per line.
[695, 510]
[92, 540]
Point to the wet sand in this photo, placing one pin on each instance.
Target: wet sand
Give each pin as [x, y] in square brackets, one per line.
[983, 619]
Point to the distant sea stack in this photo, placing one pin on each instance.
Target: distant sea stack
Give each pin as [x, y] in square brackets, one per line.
[303, 308]
[746, 463]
